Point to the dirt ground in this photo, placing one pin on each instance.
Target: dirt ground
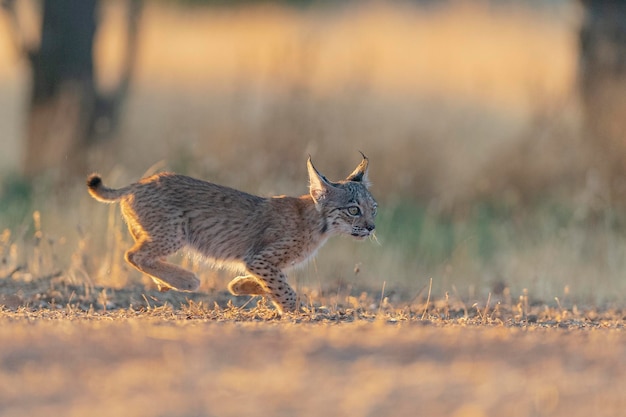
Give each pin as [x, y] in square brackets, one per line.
[211, 361]
[77, 350]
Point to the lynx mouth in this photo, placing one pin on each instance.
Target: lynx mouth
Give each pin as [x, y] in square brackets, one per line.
[360, 236]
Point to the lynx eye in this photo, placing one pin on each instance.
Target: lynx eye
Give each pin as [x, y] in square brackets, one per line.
[354, 211]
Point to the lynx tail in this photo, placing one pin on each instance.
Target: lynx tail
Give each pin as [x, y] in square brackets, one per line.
[102, 193]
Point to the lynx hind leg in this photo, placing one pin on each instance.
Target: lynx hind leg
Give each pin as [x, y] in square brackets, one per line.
[148, 259]
[275, 284]
[246, 285]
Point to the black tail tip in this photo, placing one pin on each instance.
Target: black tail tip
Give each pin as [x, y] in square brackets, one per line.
[94, 181]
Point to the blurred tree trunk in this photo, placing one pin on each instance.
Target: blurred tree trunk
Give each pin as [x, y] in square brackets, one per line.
[63, 89]
[67, 112]
[603, 88]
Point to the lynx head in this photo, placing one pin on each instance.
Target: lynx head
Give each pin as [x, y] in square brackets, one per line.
[348, 206]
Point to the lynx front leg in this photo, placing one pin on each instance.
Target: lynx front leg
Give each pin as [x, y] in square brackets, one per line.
[167, 276]
[274, 281]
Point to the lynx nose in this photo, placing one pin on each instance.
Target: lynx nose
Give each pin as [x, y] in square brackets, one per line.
[370, 227]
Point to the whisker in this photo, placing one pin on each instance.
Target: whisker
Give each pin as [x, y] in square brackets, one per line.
[374, 238]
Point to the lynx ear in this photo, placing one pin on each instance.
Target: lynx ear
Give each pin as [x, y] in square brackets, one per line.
[360, 173]
[319, 186]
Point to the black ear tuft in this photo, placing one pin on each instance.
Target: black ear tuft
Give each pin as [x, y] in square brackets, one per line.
[360, 173]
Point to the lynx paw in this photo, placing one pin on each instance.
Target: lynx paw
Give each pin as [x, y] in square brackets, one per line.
[246, 285]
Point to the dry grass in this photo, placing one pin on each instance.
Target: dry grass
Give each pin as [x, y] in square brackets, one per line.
[478, 159]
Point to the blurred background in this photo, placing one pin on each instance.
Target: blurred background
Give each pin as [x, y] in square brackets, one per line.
[495, 130]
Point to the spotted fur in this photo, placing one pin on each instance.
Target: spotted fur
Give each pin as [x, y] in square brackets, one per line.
[262, 236]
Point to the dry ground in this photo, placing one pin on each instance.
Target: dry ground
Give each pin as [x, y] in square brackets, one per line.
[169, 355]
[167, 362]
